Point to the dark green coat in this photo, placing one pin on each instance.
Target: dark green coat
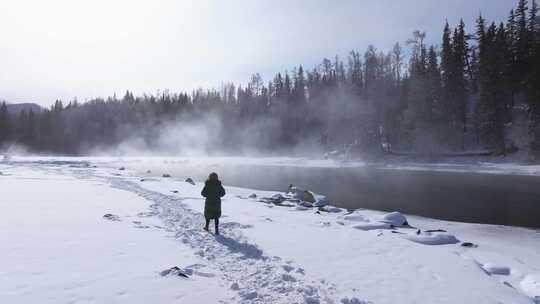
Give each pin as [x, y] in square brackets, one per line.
[213, 191]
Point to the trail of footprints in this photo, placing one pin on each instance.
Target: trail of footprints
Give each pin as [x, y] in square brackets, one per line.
[253, 276]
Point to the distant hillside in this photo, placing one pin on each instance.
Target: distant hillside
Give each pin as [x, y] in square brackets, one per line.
[16, 108]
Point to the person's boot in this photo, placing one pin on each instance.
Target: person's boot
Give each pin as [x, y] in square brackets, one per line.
[206, 226]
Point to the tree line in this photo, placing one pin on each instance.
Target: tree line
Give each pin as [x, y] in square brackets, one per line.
[478, 90]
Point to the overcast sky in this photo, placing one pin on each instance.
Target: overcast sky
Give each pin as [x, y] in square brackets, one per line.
[65, 48]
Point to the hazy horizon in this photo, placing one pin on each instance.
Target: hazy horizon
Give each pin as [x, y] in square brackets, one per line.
[61, 49]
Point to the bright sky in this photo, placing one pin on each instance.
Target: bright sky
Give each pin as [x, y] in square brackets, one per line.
[65, 48]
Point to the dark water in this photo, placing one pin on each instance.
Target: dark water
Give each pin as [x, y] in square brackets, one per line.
[459, 196]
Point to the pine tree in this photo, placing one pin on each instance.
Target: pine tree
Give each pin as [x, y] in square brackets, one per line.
[494, 96]
[4, 123]
[533, 83]
[434, 86]
[521, 48]
[299, 89]
[461, 53]
[447, 71]
[397, 58]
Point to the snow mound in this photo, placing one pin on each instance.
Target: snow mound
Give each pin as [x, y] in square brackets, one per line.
[355, 217]
[320, 200]
[394, 218]
[372, 226]
[331, 209]
[496, 269]
[531, 286]
[301, 208]
[428, 238]
[387, 221]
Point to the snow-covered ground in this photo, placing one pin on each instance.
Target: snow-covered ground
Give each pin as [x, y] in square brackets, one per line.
[56, 246]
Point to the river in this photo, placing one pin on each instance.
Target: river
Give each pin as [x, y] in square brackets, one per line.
[504, 199]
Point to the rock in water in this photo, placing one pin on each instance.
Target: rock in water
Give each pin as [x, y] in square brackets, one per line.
[252, 195]
[190, 181]
[394, 218]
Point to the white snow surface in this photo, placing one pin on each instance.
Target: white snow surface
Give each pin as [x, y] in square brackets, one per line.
[56, 246]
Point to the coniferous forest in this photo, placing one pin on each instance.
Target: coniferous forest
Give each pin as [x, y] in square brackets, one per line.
[475, 91]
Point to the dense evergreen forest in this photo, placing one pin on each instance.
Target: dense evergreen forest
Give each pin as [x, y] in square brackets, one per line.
[474, 91]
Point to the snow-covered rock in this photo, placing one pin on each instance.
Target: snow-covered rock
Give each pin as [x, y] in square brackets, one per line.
[428, 238]
[531, 286]
[317, 200]
[320, 200]
[394, 218]
[356, 217]
[496, 269]
[372, 226]
[331, 209]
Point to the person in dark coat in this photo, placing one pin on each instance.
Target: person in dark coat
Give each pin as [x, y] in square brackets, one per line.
[213, 191]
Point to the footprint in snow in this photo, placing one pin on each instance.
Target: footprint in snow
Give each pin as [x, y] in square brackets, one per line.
[353, 301]
[234, 225]
[138, 224]
[288, 278]
[146, 214]
[174, 271]
[287, 268]
[112, 217]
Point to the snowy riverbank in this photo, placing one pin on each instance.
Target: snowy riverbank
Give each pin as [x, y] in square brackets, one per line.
[58, 248]
[513, 166]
